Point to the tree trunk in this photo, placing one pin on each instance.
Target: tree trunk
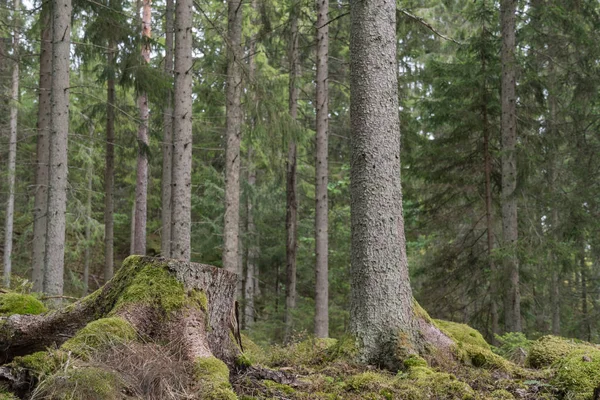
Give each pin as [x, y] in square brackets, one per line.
[291, 215]
[586, 328]
[57, 181]
[40, 208]
[321, 212]
[141, 188]
[252, 238]
[181, 195]
[132, 231]
[186, 298]
[233, 135]
[12, 148]
[252, 248]
[488, 196]
[512, 301]
[109, 170]
[383, 318]
[88, 211]
[167, 165]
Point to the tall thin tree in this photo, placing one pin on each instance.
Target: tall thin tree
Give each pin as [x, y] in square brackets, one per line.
[141, 188]
[182, 134]
[109, 169]
[291, 215]
[322, 169]
[233, 136]
[12, 147]
[512, 297]
[57, 181]
[167, 165]
[40, 207]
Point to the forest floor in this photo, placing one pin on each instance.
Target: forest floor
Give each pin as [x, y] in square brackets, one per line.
[107, 360]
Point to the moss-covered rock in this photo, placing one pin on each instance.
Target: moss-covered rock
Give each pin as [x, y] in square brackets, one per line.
[414, 361]
[213, 378]
[501, 394]
[100, 334]
[578, 373]
[17, 303]
[83, 383]
[422, 383]
[549, 349]
[41, 363]
[462, 333]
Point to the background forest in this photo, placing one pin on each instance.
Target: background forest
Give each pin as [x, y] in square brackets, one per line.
[449, 56]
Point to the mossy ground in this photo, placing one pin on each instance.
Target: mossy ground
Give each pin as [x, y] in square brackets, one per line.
[17, 303]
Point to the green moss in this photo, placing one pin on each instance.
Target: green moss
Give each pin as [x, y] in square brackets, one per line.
[367, 381]
[17, 303]
[278, 388]
[40, 363]
[414, 361]
[8, 396]
[462, 333]
[421, 313]
[577, 373]
[213, 376]
[344, 349]
[243, 361]
[482, 358]
[311, 351]
[549, 349]
[87, 383]
[198, 298]
[98, 335]
[152, 285]
[501, 394]
[421, 383]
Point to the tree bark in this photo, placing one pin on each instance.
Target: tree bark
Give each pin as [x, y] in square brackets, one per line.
[57, 180]
[488, 196]
[291, 215]
[381, 306]
[586, 327]
[26, 334]
[12, 148]
[109, 170]
[88, 211]
[181, 195]
[40, 208]
[512, 300]
[322, 168]
[141, 188]
[233, 135]
[167, 165]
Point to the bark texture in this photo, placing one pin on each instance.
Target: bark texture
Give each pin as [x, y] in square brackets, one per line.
[57, 181]
[181, 195]
[291, 214]
[512, 297]
[381, 309]
[40, 207]
[12, 148]
[109, 169]
[141, 187]
[167, 165]
[124, 297]
[88, 211]
[233, 135]
[322, 168]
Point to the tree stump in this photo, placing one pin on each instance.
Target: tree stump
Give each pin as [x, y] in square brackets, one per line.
[150, 301]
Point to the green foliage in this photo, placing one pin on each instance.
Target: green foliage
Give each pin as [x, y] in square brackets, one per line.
[511, 342]
[17, 303]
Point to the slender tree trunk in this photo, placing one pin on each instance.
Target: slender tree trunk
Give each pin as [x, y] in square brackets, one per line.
[40, 208]
[252, 256]
[57, 181]
[586, 328]
[488, 196]
[167, 165]
[291, 215]
[181, 195]
[12, 149]
[233, 135]
[141, 188]
[132, 232]
[512, 302]
[109, 170]
[252, 238]
[381, 297]
[322, 168]
[88, 212]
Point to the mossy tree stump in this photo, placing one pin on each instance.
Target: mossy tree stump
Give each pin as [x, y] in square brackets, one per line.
[150, 300]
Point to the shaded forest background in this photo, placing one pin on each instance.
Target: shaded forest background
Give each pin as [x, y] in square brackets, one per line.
[449, 82]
